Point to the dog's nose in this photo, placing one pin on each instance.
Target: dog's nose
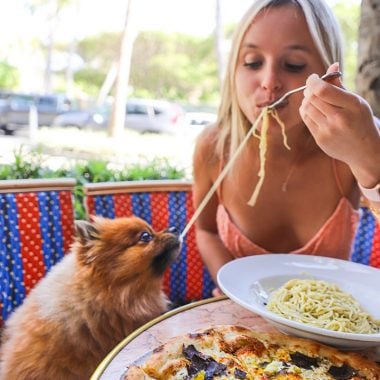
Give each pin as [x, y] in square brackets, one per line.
[173, 230]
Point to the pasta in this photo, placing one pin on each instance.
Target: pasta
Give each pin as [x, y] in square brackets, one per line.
[264, 115]
[263, 148]
[321, 304]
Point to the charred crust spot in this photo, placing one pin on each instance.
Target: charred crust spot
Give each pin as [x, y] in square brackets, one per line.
[159, 349]
[344, 372]
[211, 331]
[304, 361]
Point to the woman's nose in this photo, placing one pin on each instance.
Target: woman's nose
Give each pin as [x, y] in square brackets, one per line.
[270, 80]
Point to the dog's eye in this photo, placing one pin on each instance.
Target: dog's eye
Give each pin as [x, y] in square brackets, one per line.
[146, 237]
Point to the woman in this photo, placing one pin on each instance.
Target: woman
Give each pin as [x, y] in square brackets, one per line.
[310, 194]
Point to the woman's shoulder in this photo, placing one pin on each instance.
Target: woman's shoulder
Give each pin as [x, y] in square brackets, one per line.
[210, 133]
[206, 142]
[208, 139]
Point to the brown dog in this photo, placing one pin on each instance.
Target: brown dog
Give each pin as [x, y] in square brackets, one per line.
[108, 286]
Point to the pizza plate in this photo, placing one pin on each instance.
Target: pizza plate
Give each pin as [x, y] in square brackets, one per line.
[248, 281]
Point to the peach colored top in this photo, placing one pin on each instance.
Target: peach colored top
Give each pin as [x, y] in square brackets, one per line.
[334, 238]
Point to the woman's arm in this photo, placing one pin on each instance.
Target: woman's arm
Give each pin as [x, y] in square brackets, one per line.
[205, 169]
[344, 127]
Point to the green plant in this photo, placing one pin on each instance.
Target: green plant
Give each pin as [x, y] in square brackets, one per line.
[31, 165]
[25, 165]
[9, 75]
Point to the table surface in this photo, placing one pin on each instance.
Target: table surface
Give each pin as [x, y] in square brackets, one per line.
[189, 318]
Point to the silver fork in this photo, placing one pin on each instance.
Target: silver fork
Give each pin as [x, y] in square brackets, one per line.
[260, 293]
[326, 77]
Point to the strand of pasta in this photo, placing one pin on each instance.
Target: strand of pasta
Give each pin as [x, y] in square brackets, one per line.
[263, 151]
[321, 304]
[274, 114]
[264, 115]
[222, 174]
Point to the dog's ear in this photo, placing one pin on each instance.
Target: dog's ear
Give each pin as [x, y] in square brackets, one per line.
[86, 231]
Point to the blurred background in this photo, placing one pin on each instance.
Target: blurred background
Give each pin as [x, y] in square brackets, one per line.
[126, 81]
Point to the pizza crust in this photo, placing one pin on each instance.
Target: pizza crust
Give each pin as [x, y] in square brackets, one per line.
[136, 373]
[232, 345]
[337, 357]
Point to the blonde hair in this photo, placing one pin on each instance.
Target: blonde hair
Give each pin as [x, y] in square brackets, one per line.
[325, 32]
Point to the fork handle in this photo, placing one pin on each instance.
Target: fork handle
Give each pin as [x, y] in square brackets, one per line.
[326, 77]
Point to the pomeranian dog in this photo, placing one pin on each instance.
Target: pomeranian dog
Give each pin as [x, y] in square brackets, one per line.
[109, 285]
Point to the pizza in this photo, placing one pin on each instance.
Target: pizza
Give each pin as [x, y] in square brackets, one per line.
[235, 352]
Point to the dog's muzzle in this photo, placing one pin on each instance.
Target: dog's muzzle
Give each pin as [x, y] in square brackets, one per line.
[169, 253]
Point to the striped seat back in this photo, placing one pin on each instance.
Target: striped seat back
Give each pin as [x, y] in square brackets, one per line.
[36, 230]
[366, 249]
[161, 204]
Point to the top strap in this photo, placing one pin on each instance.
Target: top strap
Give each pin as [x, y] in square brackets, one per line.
[337, 178]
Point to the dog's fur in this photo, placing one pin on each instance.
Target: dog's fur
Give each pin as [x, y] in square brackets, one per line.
[109, 285]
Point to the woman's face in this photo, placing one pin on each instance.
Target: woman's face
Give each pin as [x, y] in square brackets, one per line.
[277, 54]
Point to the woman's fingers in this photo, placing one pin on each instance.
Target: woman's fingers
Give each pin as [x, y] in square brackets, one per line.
[312, 116]
[333, 68]
[341, 122]
[317, 88]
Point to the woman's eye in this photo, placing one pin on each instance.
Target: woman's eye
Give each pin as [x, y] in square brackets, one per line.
[146, 237]
[294, 68]
[253, 64]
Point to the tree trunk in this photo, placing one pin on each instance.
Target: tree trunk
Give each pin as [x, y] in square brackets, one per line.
[116, 125]
[69, 74]
[107, 85]
[47, 86]
[53, 10]
[368, 78]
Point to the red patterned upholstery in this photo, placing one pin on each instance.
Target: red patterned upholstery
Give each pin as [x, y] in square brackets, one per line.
[36, 230]
[161, 204]
[169, 203]
[366, 249]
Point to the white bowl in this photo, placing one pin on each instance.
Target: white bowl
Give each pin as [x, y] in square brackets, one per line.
[249, 280]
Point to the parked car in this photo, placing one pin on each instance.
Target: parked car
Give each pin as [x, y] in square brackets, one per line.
[142, 115]
[200, 118]
[80, 119]
[15, 109]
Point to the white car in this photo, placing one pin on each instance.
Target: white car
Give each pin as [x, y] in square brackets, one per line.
[142, 115]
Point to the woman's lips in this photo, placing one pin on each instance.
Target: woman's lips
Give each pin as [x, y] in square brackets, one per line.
[261, 105]
[284, 103]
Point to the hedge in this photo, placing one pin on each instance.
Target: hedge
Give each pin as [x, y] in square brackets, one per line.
[31, 165]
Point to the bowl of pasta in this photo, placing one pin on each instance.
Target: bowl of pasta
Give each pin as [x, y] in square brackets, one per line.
[329, 300]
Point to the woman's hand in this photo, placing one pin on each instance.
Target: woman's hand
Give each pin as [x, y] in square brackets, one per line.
[342, 124]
